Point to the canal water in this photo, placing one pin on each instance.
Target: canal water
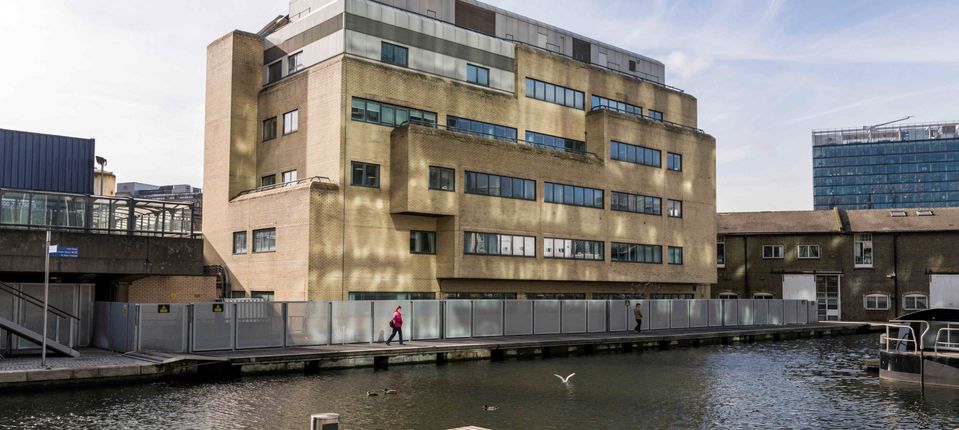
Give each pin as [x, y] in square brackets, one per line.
[808, 383]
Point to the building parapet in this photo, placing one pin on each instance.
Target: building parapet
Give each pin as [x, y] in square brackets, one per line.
[899, 133]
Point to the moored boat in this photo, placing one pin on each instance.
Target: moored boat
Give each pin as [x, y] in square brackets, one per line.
[922, 347]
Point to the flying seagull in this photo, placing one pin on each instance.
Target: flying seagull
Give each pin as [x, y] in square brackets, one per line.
[566, 379]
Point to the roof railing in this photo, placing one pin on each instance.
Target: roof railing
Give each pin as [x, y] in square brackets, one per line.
[499, 138]
[676, 124]
[279, 185]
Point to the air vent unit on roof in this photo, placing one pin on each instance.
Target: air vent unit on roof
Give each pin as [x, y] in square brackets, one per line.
[898, 213]
[924, 213]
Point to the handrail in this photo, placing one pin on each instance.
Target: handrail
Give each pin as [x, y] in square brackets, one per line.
[601, 107]
[939, 334]
[915, 344]
[37, 302]
[279, 185]
[493, 137]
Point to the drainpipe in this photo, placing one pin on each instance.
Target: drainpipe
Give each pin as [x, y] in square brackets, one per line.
[895, 272]
[745, 265]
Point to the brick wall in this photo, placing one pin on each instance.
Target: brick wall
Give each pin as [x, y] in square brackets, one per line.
[173, 289]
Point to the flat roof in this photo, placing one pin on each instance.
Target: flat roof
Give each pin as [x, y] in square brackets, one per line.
[838, 221]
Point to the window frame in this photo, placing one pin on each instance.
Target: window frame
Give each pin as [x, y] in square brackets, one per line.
[669, 208]
[861, 243]
[283, 177]
[366, 166]
[550, 91]
[441, 170]
[470, 188]
[640, 252]
[272, 77]
[294, 115]
[499, 132]
[573, 245]
[728, 296]
[671, 260]
[246, 247]
[413, 239]
[394, 48]
[876, 296]
[477, 69]
[763, 296]
[781, 248]
[549, 195]
[550, 142]
[670, 165]
[256, 250]
[417, 116]
[721, 241]
[294, 62]
[654, 115]
[500, 244]
[268, 124]
[618, 196]
[799, 253]
[915, 296]
[272, 177]
[635, 151]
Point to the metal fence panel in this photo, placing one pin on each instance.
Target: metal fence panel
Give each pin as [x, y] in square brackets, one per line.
[7, 306]
[761, 312]
[259, 325]
[101, 325]
[659, 314]
[802, 314]
[775, 312]
[308, 323]
[699, 313]
[620, 314]
[61, 329]
[85, 314]
[679, 313]
[546, 316]
[746, 316]
[595, 316]
[813, 312]
[715, 308]
[382, 315]
[353, 322]
[428, 320]
[574, 316]
[167, 332]
[458, 318]
[789, 311]
[730, 312]
[517, 317]
[487, 318]
[213, 326]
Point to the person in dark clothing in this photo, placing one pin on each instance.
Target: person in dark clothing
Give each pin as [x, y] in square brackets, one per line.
[397, 325]
[638, 314]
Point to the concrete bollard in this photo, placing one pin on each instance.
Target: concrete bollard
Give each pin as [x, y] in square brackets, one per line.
[327, 421]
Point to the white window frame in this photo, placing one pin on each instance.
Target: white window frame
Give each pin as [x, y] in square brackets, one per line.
[244, 249]
[289, 176]
[865, 302]
[863, 240]
[905, 302]
[781, 249]
[294, 62]
[728, 296]
[291, 122]
[808, 248]
[762, 296]
[721, 240]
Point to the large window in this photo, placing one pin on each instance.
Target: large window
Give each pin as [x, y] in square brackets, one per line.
[728, 296]
[422, 242]
[268, 180]
[501, 186]
[655, 115]
[477, 75]
[876, 302]
[479, 128]
[291, 121]
[274, 72]
[674, 161]
[294, 62]
[239, 242]
[499, 244]
[675, 255]
[863, 249]
[269, 129]
[674, 208]
[605, 103]
[721, 251]
[394, 54]
[289, 176]
[762, 296]
[636, 253]
[635, 154]
[915, 302]
[366, 174]
[573, 249]
[389, 115]
[442, 178]
[264, 240]
[552, 142]
[573, 195]
[540, 90]
[638, 203]
[772, 252]
[807, 252]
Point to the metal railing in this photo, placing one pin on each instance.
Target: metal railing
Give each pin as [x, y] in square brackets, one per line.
[886, 339]
[952, 346]
[516, 140]
[675, 124]
[279, 185]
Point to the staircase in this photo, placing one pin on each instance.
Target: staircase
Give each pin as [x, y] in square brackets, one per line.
[31, 335]
[37, 338]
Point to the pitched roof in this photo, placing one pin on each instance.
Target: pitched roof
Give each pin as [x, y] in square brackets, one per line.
[827, 221]
[881, 220]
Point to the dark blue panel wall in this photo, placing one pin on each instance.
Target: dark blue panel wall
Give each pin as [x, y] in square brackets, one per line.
[46, 162]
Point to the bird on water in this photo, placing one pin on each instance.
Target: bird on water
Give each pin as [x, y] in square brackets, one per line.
[566, 379]
[489, 408]
[389, 391]
[372, 394]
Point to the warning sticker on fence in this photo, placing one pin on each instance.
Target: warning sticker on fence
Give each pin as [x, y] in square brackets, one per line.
[217, 307]
[163, 309]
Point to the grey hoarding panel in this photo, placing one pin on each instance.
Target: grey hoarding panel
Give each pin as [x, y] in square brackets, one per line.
[802, 314]
[458, 318]
[353, 322]
[574, 316]
[487, 318]
[789, 311]
[382, 315]
[659, 314]
[746, 316]
[596, 316]
[715, 312]
[212, 331]
[620, 315]
[679, 313]
[730, 312]
[259, 325]
[699, 313]
[308, 323]
[546, 316]
[813, 313]
[776, 312]
[165, 331]
[518, 317]
[428, 320]
[761, 312]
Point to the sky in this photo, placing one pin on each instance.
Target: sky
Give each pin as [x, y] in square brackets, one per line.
[131, 74]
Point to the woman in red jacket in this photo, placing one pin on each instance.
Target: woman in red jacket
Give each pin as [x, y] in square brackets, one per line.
[397, 325]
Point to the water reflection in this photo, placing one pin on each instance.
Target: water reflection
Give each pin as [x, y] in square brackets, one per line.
[811, 383]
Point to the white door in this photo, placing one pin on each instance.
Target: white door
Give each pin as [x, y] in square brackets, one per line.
[944, 291]
[799, 287]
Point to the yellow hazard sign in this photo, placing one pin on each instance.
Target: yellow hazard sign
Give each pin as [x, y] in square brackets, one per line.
[163, 309]
[217, 307]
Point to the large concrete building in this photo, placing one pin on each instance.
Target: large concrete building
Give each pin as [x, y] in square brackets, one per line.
[862, 265]
[448, 149]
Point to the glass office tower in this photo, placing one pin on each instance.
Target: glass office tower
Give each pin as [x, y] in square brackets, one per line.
[914, 166]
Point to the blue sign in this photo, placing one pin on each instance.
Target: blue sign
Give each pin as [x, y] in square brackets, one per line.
[64, 251]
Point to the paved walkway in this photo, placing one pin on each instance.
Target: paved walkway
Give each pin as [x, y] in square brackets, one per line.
[89, 357]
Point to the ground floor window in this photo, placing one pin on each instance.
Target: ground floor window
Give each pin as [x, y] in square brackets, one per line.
[762, 296]
[913, 302]
[480, 296]
[876, 302]
[262, 295]
[671, 296]
[618, 296]
[728, 296]
[372, 295]
[422, 242]
[556, 296]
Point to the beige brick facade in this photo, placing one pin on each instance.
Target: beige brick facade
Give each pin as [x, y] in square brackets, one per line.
[172, 289]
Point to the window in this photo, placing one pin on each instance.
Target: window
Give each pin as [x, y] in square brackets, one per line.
[674, 161]
[393, 54]
[389, 115]
[482, 129]
[499, 244]
[625, 202]
[572, 195]
[728, 296]
[274, 72]
[807, 252]
[635, 154]
[268, 180]
[239, 242]
[262, 295]
[264, 240]
[632, 66]
[291, 122]
[289, 176]
[675, 255]
[573, 249]
[541, 140]
[477, 75]
[655, 115]
[269, 129]
[915, 302]
[762, 296]
[863, 249]
[369, 295]
[501, 186]
[876, 302]
[422, 242]
[540, 90]
[599, 102]
[636, 253]
[721, 251]
[294, 62]
[772, 252]
[366, 174]
[442, 178]
[674, 208]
